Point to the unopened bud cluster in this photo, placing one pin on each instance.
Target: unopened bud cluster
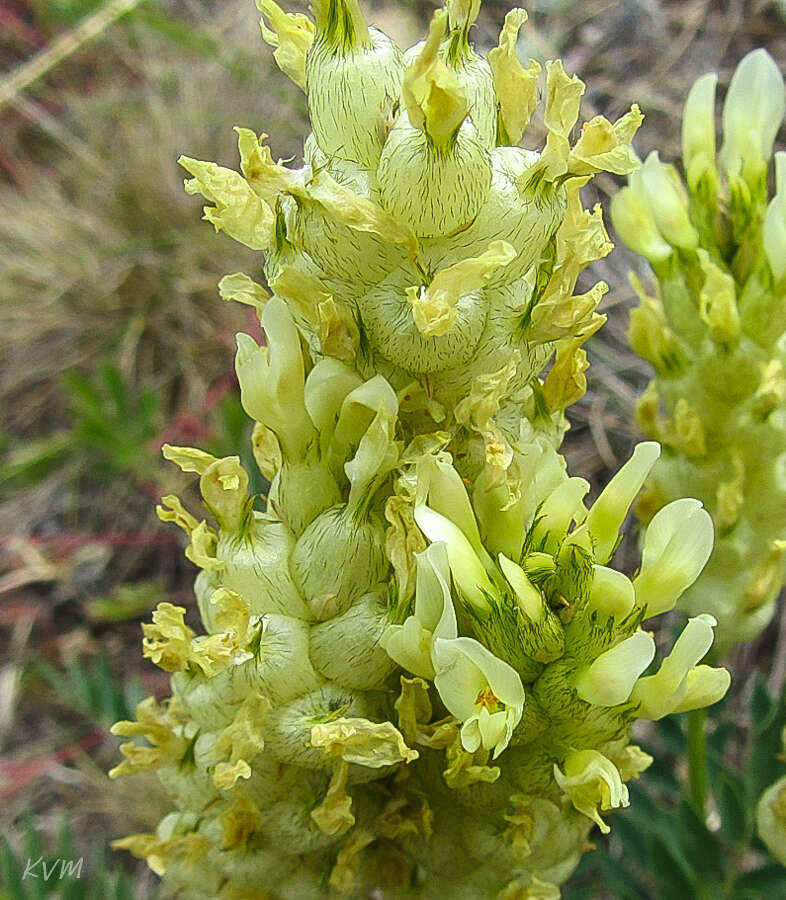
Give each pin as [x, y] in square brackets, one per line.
[715, 333]
[418, 671]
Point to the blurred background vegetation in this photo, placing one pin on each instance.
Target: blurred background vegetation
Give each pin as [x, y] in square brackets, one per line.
[113, 340]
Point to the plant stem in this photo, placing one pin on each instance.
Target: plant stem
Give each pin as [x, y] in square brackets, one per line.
[697, 761]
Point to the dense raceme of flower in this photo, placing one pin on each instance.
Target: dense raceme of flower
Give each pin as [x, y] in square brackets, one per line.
[419, 672]
[714, 332]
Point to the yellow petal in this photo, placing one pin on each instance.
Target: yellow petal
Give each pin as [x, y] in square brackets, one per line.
[238, 210]
[434, 308]
[291, 35]
[516, 87]
[365, 743]
[435, 102]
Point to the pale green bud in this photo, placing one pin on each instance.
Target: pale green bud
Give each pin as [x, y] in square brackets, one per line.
[272, 379]
[771, 819]
[698, 131]
[677, 545]
[562, 507]
[774, 229]
[718, 302]
[668, 202]
[440, 485]
[679, 685]
[466, 568]
[652, 337]
[608, 512]
[372, 400]
[612, 593]
[609, 680]
[752, 115]
[528, 596]
[633, 218]
[328, 385]
[410, 644]
[593, 784]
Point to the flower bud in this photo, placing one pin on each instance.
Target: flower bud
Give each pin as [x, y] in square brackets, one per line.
[612, 593]
[271, 380]
[562, 507]
[633, 218]
[653, 339]
[698, 131]
[466, 568]
[752, 114]
[718, 302]
[774, 229]
[410, 644]
[608, 512]
[609, 679]
[668, 202]
[677, 545]
[771, 819]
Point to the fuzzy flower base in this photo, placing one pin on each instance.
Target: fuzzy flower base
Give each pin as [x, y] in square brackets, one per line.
[418, 672]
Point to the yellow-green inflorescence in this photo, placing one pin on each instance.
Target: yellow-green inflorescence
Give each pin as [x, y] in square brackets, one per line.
[715, 332]
[419, 672]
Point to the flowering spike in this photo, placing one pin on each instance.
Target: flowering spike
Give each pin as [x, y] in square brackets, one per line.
[416, 619]
[713, 332]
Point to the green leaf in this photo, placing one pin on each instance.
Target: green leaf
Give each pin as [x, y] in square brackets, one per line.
[768, 717]
[701, 848]
[671, 874]
[729, 792]
[767, 883]
[11, 872]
